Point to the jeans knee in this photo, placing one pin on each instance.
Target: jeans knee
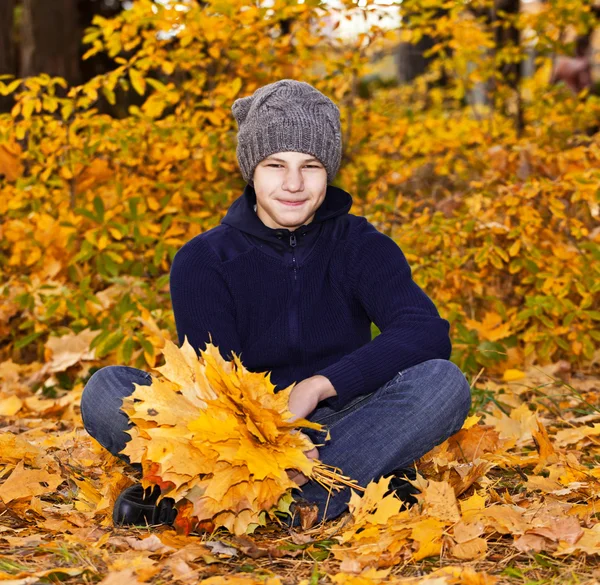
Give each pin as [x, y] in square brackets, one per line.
[454, 387]
[96, 392]
[90, 393]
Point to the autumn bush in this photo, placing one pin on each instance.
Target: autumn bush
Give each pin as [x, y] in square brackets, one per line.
[499, 223]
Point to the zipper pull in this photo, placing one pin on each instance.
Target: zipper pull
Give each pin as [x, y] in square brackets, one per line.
[293, 240]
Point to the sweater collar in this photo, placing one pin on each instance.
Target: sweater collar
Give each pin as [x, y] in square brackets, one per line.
[241, 214]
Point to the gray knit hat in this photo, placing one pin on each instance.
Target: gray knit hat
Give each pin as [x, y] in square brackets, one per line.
[287, 115]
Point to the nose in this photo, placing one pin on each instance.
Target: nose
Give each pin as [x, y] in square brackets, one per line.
[293, 181]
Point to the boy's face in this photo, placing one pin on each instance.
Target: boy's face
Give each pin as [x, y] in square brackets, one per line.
[289, 176]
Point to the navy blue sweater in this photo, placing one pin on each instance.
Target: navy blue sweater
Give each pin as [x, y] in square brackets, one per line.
[301, 303]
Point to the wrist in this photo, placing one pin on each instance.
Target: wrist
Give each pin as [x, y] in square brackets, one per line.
[325, 388]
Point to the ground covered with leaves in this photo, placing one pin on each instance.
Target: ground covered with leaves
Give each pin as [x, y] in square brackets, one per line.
[494, 205]
[510, 498]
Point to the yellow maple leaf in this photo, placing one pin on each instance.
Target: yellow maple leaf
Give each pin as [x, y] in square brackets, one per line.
[439, 501]
[374, 506]
[211, 433]
[491, 328]
[519, 425]
[427, 534]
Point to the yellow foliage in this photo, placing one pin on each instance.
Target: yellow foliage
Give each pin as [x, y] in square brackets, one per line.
[10, 163]
[499, 227]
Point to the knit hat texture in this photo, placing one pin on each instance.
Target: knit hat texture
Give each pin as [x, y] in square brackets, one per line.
[284, 116]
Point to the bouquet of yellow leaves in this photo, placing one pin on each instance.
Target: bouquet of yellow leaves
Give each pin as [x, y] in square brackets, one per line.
[218, 440]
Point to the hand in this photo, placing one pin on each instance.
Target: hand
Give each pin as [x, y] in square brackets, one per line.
[296, 476]
[303, 400]
[305, 395]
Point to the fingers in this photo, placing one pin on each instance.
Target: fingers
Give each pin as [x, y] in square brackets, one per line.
[298, 478]
[311, 453]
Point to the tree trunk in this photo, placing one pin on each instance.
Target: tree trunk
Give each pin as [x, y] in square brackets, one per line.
[410, 59]
[7, 54]
[509, 35]
[8, 64]
[50, 39]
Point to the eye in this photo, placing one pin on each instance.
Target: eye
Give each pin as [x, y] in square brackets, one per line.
[309, 166]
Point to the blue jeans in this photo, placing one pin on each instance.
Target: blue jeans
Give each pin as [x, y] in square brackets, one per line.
[370, 437]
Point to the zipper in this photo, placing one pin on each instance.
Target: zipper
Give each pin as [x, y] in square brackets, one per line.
[293, 245]
[293, 315]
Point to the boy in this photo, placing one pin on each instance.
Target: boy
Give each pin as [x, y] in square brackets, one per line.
[291, 282]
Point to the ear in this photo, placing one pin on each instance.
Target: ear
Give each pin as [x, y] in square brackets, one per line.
[241, 107]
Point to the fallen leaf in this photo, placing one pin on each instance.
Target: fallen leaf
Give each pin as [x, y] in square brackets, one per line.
[470, 549]
[25, 483]
[439, 501]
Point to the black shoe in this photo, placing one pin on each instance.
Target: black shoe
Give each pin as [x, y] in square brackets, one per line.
[401, 487]
[137, 507]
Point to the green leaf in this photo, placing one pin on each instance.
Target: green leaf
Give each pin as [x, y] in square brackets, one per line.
[86, 213]
[162, 281]
[99, 338]
[111, 343]
[110, 265]
[27, 339]
[146, 345]
[127, 350]
[99, 207]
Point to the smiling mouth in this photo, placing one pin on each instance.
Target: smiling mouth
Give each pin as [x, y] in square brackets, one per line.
[291, 203]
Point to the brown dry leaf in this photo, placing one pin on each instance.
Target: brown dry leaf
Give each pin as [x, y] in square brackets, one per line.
[66, 351]
[119, 577]
[470, 444]
[567, 529]
[506, 519]
[308, 514]
[151, 543]
[467, 475]
[588, 543]
[465, 531]
[439, 501]
[466, 576]
[544, 447]
[530, 541]
[470, 549]
[574, 435]
[544, 484]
